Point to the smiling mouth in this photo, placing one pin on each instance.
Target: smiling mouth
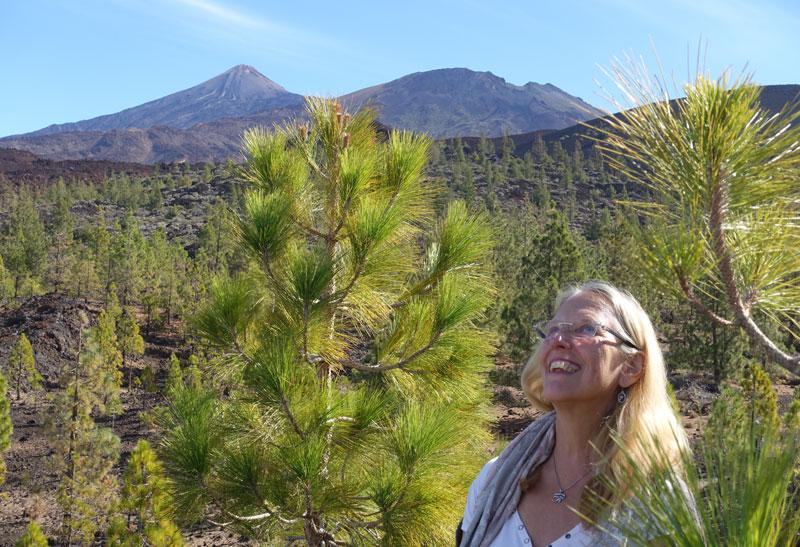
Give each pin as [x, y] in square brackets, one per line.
[563, 366]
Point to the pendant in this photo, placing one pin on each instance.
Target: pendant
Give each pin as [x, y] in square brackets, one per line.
[559, 496]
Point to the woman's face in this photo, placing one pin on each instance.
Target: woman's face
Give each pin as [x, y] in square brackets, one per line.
[585, 371]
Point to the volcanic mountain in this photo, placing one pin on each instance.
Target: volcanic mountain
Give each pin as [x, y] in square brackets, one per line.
[206, 122]
[457, 102]
[237, 92]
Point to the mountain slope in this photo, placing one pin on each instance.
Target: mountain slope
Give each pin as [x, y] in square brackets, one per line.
[238, 92]
[460, 102]
[213, 141]
[773, 98]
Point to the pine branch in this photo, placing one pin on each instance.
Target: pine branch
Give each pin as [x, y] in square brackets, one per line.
[284, 401]
[309, 230]
[399, 364]
[725, 264]
[699, 304]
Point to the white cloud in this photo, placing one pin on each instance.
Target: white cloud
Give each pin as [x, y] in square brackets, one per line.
[223, 20]
[228, 15]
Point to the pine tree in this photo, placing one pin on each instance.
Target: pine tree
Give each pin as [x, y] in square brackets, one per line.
[155, 199]
[175, 375]
[216, 238]
[24, 246]
[553, 260]
[529, 166]
[6, 426]
[578, 166]
[104, 336]
[83, 453]
[61, 257]
[721, 173]
[694, 339]
[539, 151]
[22, 365]
[145, 504]
[352, 355]
[127, 259]
[507, 154]
[33, 537]
[458, 150]
[469, 184]
[129, 340]
[757, 387]
[194, 375]
[6, 283]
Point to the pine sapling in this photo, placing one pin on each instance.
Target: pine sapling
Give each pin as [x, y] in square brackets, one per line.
[6, 426]
[22, 365]
[350, 354]
[33, 536]
[130, 341]
[145, 505]
[175, 375]
[83, 453]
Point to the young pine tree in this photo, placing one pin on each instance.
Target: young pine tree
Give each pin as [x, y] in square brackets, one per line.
[33, 537]
[721, 173]
[103, 336]
[174, 376]
[6, 426]
[194, 375]
[83, 453]
[22, 365]
[129, 340]
[24, 243]
[353, 359]
[145, 504]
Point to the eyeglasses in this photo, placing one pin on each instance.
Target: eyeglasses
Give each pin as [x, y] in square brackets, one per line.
[546, 330]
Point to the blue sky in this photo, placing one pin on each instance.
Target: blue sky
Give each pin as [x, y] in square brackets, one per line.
[67, 60]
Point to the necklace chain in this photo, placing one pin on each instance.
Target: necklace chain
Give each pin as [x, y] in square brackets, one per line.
[561, 495]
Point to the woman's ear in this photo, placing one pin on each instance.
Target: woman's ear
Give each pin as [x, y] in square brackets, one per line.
[632, 370]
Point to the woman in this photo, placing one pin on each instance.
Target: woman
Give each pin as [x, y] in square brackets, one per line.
[600, 373]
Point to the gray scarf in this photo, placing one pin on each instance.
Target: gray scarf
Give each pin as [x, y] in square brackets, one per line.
[500, 497]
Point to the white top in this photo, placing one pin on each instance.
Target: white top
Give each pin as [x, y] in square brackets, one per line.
[514, 533]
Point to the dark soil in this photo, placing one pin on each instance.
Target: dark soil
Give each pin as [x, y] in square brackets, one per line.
[20, 166]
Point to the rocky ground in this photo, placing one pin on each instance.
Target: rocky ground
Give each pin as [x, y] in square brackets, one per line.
[21, 167]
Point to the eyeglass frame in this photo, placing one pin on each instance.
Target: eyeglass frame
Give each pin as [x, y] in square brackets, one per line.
[541, 333]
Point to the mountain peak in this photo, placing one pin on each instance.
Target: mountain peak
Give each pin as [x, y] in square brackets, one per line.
[239, 91]
[242, 68]
[245, 71]
[242, 82]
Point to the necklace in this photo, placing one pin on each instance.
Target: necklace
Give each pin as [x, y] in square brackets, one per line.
[561, 495]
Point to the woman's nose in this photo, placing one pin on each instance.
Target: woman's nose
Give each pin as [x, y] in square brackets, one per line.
[559, 339]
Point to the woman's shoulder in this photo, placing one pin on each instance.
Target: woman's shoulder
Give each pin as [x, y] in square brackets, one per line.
[475, 489]
[483, 475]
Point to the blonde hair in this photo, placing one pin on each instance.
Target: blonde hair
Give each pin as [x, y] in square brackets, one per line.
[642, 432]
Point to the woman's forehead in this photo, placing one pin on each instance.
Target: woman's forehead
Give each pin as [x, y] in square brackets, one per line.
[584, 305]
